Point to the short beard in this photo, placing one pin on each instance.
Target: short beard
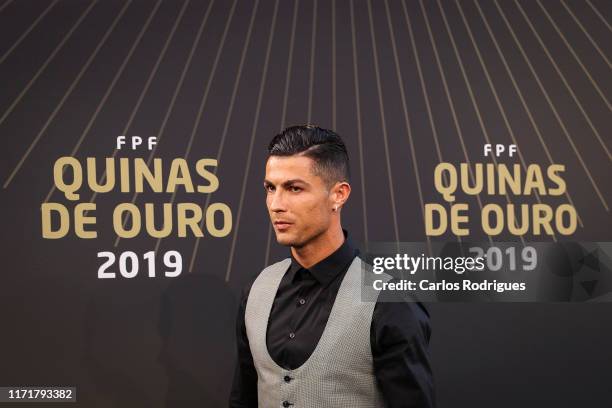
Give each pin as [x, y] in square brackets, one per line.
[299, 245]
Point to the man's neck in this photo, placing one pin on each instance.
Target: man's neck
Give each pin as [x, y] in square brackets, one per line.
[320, 248]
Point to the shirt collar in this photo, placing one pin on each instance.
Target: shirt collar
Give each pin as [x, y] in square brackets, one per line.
[326, 270]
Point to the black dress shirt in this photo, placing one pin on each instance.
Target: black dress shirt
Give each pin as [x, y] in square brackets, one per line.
[399, 333]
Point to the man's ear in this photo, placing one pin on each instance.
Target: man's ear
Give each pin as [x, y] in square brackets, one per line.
[340, 193]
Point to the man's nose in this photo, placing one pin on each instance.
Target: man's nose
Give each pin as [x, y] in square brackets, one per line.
[276, 202]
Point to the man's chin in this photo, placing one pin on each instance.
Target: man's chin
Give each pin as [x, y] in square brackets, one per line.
[286, 240]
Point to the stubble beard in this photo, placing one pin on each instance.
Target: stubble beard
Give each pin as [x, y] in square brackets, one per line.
[300, 243]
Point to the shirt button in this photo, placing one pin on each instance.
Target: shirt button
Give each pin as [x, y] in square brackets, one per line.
[287, 378]
[302, 301]
[291, 335]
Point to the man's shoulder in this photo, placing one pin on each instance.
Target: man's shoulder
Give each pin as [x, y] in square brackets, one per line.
[280, 266]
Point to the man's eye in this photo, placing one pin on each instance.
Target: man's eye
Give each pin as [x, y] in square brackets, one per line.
[269, 188]
[295, 189]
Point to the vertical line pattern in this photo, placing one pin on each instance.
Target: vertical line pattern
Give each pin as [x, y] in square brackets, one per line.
[146, 86]
[446, 74]
[313, 48]
[68, 92]
[179, 85]
[450, 102]
[400, 82]
[230, 111]
[483, 128]
[425, 93]
[284, 108]
[564, 80]
[25, 34]
[552, 107]
[359, 129]
[334, 90]
[383, 122]
[198, 118]
[48, 60]
[110, 88]
[289, 64]
[262, 85]
[423, 85]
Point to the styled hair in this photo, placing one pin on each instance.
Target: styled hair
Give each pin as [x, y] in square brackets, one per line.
[324, 146]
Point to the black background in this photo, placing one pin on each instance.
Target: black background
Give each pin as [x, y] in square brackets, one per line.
[156, 342]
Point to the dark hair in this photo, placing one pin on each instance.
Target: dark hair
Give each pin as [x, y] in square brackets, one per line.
[324, 146]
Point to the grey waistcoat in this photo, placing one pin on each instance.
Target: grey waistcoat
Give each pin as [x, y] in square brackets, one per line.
[339, 373]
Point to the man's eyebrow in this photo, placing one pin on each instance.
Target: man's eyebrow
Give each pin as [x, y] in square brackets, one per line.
[287, 182]
[294, 181]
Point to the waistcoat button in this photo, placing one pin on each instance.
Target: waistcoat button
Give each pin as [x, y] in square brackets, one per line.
[287, 378]
[286, 404]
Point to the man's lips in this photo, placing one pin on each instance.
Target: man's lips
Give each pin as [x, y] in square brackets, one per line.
[282, 224]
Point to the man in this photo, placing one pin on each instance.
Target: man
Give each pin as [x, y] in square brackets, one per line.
[305, 338]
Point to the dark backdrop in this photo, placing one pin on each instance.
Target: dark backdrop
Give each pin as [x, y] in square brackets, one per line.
[76, 74]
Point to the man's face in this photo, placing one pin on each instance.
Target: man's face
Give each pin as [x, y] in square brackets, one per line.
[298, 201]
